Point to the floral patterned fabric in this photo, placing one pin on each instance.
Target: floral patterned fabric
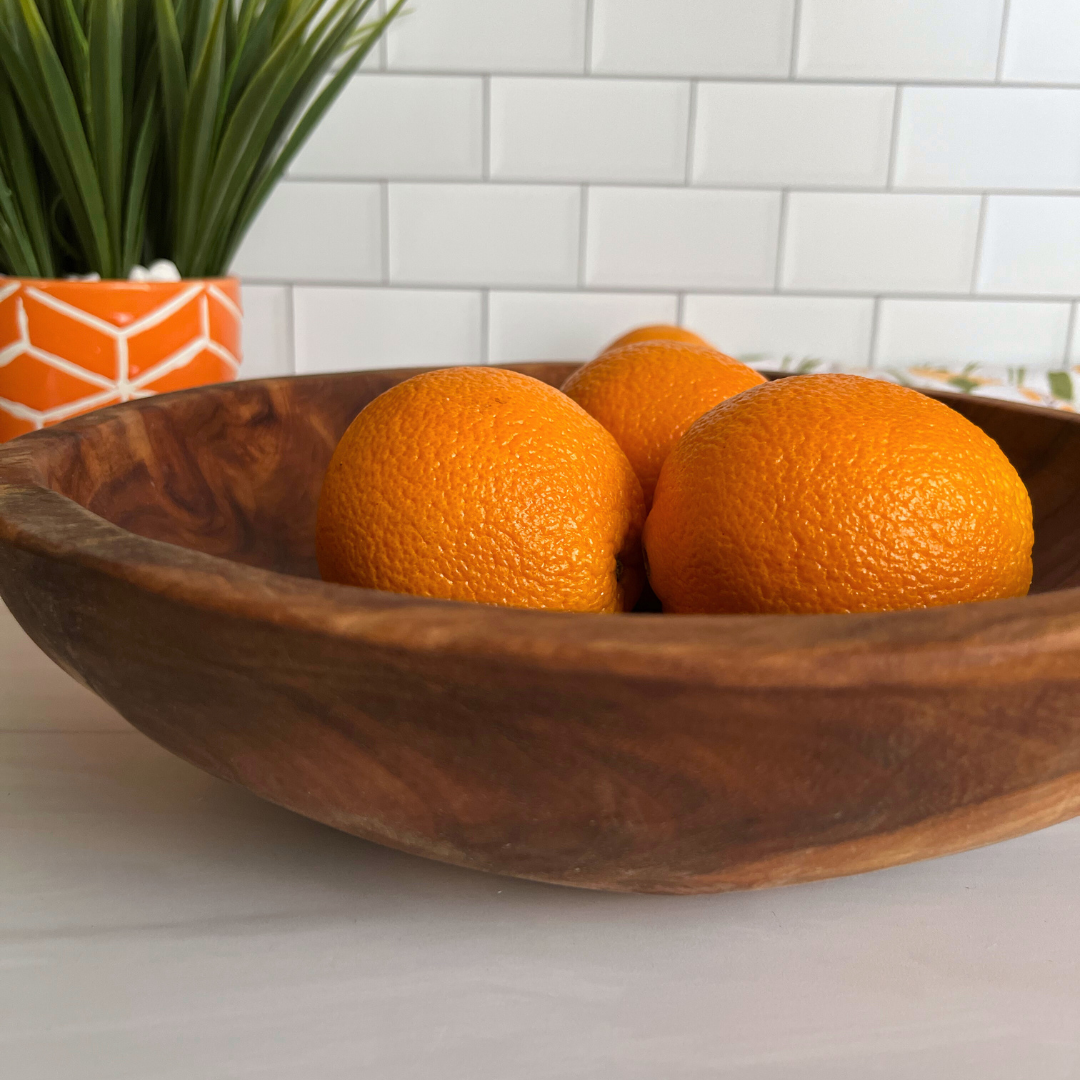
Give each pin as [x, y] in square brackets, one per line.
[1052, 389]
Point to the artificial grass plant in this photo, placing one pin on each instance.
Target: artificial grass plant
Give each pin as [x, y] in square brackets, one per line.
[135, 130]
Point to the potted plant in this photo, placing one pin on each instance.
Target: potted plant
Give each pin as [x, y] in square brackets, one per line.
[142, 134]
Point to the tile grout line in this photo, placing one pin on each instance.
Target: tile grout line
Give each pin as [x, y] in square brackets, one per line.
[583, 234]
[781, 240]
[485, 127]
[691, 132]
[1005, 12]
[894, 139]
[680, 309]
[589, 21]
[384, 211]
[485, 327]
[1069, 332]
[875, 325]
[796, 35]
[564, 289]
[674, 185]
[765, 80]
[290, 327]
[980, 235]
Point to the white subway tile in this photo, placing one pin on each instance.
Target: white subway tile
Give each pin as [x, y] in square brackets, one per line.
[900, 39]
[974, 137]
[692, 37]
[679, 238]
[1042, 42]
[880, 243]
[376, 58]
[589, 129]
[315, 232]
[400, 127]
[768, 329]
[266, 340]
[568, 326]
[1031, 246]
[490, 35]
[784, 133]
[1074, 345]
[341, 329]
[963, 331]
[484, 234]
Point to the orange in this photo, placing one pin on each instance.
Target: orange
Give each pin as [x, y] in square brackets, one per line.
[648, 394]
[834, 493]
[658, 332]
[486, 485]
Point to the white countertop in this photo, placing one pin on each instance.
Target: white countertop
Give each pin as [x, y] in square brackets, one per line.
[157, 923]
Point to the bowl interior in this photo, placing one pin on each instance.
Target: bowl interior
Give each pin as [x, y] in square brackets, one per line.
[235, 471]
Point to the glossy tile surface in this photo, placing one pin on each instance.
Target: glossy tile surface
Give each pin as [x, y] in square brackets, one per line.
[598, 146]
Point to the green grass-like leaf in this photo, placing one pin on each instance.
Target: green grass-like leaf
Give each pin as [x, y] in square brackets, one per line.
[106, 40]
[260, 190]
[1061, 385]
[132, 130]
[24, 231]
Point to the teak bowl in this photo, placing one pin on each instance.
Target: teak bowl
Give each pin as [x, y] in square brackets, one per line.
[161, 551]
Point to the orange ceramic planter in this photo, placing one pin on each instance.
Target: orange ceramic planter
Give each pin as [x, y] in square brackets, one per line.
[67, 347]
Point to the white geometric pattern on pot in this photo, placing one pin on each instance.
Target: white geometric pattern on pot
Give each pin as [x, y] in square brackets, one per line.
[127, 380]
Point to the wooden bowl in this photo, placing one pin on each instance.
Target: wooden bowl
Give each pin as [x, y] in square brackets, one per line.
[162, 552]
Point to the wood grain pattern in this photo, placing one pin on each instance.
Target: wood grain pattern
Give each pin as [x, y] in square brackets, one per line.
[162, 552]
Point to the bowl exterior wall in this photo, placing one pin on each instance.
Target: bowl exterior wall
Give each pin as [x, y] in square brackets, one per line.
[593, 778]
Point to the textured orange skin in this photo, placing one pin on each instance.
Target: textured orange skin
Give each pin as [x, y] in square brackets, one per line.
[484, 485]
[649, 393]
[835, 493]
[657, 332]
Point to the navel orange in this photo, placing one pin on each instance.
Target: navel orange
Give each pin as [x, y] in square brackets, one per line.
[648, 394]
[836, 493]
[657, 332]
[486, 485]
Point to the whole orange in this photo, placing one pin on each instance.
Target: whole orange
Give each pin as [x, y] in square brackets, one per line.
[648, 394]
[486, 485]
[834, 493]
[657, 332]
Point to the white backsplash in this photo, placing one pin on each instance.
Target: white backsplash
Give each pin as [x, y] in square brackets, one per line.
[860, 181]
